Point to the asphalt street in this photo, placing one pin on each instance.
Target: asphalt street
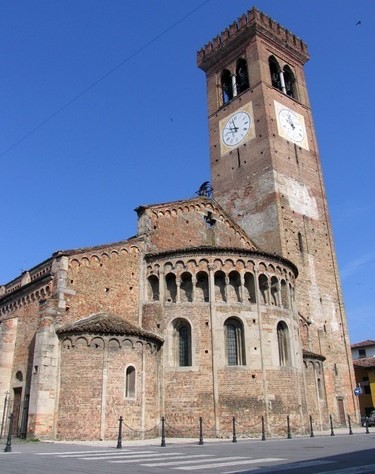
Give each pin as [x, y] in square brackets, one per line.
[341, 454]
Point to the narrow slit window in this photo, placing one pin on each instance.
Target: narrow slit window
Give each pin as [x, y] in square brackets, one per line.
[130, 382]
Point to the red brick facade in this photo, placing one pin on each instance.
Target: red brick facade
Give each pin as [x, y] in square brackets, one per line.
[211, 310]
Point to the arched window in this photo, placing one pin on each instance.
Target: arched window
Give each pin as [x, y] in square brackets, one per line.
[283, 344]
[220, 286]
[153, 288]
[226, 86]
[290, 82]
[130, 382]
[202, 287]
[300, 242]
[250, 287]
[320, 388]
[283, 80]
[274, 291]
[263, 287]
[171, 287]
[234, 287]
[274, 72]
[234, 338]
[284, 294]
[242, 76]
[186, 288]
[182, 339]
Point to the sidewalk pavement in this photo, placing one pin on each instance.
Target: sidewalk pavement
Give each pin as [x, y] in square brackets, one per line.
[171, 441]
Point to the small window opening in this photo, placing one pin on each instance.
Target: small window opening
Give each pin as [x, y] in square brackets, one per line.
[290, 82]
[362, 353]
[211, 221]
[283, 344]
[300, 242]
[274, 72]
[226, 86]
[182, 343]
[234, 342]
[242, 76]
[153, 288]
[130, 382]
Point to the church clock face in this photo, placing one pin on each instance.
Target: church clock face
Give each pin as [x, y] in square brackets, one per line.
[291, 125]
[236, 129]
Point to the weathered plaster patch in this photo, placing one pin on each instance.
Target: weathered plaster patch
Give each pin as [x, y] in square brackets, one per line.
[299, 197]
[315, 306]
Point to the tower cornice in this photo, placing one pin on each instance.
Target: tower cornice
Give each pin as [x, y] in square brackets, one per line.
[251, 24]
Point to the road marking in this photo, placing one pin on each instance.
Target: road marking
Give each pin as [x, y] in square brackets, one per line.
[11, 452]
[102, 455]
[222, 464]
[191, 461]
[285, 467]
[78, 452]
[132, 456]
[163, 458]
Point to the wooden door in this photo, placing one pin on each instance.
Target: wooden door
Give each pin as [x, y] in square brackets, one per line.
[16, 409]
[340, 405]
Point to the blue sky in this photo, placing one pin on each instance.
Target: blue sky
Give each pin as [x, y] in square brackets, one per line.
[103, 109]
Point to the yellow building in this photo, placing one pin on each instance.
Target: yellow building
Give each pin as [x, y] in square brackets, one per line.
[364, 367]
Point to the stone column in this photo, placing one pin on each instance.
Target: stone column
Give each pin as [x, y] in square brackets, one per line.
[193, 288]
[215, 389]
[261, 347]
[8, 334]
[226, 281]
[178, 295]
[45, 377]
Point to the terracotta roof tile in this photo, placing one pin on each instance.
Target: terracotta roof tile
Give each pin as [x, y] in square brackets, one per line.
[313, 355]
[106, 323]
[368, 362]
[366, 343]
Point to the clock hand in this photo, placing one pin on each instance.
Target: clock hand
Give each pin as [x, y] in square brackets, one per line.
[290, 121]
[234, 126]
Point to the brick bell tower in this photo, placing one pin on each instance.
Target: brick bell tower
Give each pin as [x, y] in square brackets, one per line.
[266, 173]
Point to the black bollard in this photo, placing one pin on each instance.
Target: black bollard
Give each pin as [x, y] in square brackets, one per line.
[163, 445]
[8, 447]
[234, 440]
[331, 424]
[350, 426]
[200, 431]
[367, 430]
[263, 430]
[119, 439]
[311, 428]
[288, 427]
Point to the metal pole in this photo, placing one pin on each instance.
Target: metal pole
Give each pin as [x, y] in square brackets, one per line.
[119, 439]
[311, 428]
[331, 423]
[8, 447]
[200, 431]
[234, 440]
[263, 430]
[288, 426]
[367, 430]
[162, 432]
[4, 413]
[350, 426]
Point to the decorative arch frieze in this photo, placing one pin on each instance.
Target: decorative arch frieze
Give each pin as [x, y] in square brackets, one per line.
[21, 301]
[100, 343]
[236, 279]
[103, 258]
